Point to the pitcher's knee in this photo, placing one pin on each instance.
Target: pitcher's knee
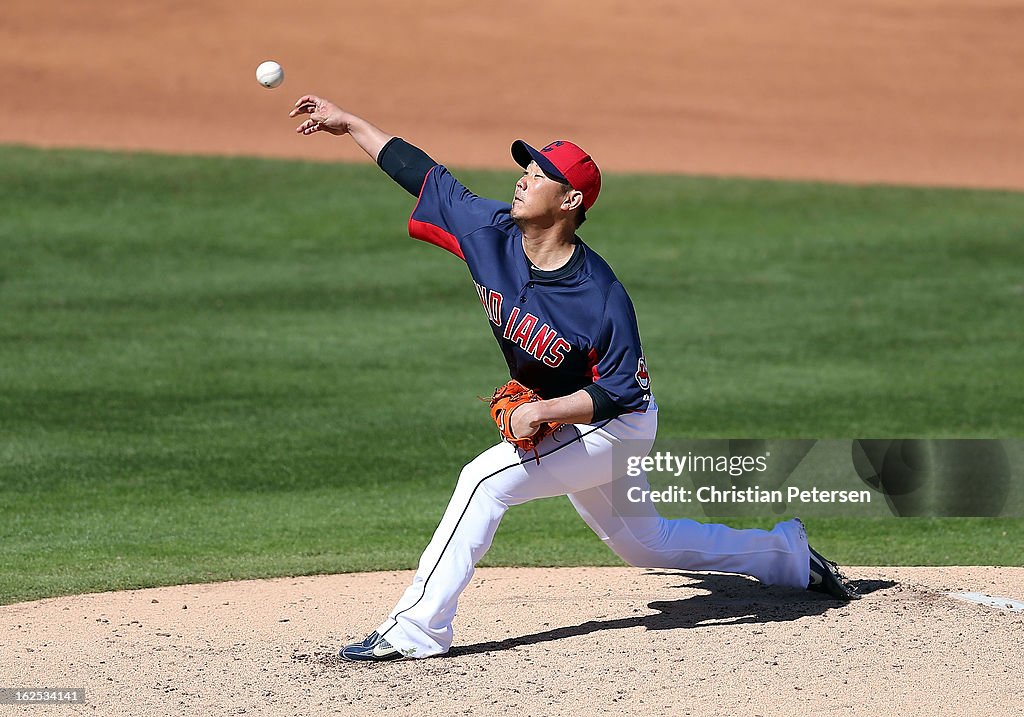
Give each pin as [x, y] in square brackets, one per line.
[637, 554]
[468, 474]
[479, 483]
[475, 471]
[642, 546]
[643, 558]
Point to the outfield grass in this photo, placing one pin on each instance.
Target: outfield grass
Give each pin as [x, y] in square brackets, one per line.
[226, 368]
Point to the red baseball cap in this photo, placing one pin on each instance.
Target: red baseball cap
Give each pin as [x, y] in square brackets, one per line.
[565, 162]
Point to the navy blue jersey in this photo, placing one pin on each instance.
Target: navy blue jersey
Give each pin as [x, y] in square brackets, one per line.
[559, 334]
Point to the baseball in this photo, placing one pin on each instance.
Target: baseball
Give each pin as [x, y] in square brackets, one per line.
[270, 74]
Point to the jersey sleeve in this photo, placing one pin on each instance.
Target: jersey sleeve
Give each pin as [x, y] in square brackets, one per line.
[447, 213]
[617, 359]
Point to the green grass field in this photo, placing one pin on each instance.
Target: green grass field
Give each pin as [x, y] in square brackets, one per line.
[228, 368]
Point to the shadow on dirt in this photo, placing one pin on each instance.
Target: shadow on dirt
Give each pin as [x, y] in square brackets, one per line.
[733, 600]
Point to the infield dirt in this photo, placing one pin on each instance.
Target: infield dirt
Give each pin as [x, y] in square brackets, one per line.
[606, 641]
[909, 91]
[904, 91]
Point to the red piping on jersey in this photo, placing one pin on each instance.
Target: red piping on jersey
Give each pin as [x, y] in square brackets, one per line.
[425, 231]
[592, 361]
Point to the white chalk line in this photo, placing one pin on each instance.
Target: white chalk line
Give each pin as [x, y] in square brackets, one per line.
[1000, 603]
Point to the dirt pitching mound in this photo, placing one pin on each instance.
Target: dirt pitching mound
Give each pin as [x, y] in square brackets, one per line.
[536, 641]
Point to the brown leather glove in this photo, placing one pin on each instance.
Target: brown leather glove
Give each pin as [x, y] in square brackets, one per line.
[507, 399]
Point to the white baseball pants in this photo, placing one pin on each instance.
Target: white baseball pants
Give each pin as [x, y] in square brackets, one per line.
[575, 461]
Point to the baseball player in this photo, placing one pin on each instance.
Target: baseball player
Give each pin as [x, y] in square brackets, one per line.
[569, 334]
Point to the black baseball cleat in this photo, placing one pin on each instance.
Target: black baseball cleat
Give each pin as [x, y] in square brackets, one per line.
[826, 578]
[373, 649]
